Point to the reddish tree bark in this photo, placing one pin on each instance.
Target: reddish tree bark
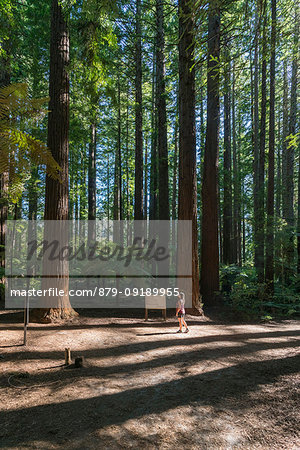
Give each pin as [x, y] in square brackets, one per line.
[57, 192]
[298, 225]
[153, 213]
[227, 209]
[4, 177]
[187, 201]
[290, 158]
[163, 179]
[210, 249]
[237, 245]
[269, 275]
[92, 184]
[118, 204]
[138, 195]
[255, 131]
[260, 237]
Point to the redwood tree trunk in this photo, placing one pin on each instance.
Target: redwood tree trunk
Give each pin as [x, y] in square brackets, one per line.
[138, 195]
[298, 225]
[153, 164]
[162, 144]
[290, 158]
[285, 132]
[255, 130]
[227, 210]
[118, 177]
[174, 184]
[56, 201]
[4, 177]
[187, 201]
[146, 182]
[271, 157]
[92, 184]
[81, 192]
[260, 238]
[163, 178]
[108, 195]
[278, 193]
[57, 192]
[3, 218]
[237, 257]
[210, 250]
[202, 133]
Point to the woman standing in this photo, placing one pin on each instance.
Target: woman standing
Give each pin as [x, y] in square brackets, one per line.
[180, 313]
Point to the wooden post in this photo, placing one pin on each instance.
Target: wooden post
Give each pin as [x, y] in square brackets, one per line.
[26, 311]
[26, 318]
[68, 359]
[165, 314]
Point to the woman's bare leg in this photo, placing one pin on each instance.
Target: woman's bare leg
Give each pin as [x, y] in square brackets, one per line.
[180, 323]
[184, 322]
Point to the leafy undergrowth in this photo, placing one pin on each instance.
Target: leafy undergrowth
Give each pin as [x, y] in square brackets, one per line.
[248, 300]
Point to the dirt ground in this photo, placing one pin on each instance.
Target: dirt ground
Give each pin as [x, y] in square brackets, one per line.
[222, 386]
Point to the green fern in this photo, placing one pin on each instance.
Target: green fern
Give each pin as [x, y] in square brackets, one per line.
[19, 150]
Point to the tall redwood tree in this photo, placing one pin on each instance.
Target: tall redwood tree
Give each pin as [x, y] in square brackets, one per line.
[4, 177]
[209, 238]
[163, 178]
[138, 193]
[227, 210]
[290, 158]
[269, 275]
[187, 201]
[57, 192]
[260, 236]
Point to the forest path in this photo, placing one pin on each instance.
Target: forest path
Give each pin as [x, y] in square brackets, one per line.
[222, 386]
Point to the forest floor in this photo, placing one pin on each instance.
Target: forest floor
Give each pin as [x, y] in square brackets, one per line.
[222, 386]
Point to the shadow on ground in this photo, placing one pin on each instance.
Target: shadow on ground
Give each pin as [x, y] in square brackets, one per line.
[77, 417]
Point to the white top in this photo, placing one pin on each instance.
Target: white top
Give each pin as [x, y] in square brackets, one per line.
[180, 305]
